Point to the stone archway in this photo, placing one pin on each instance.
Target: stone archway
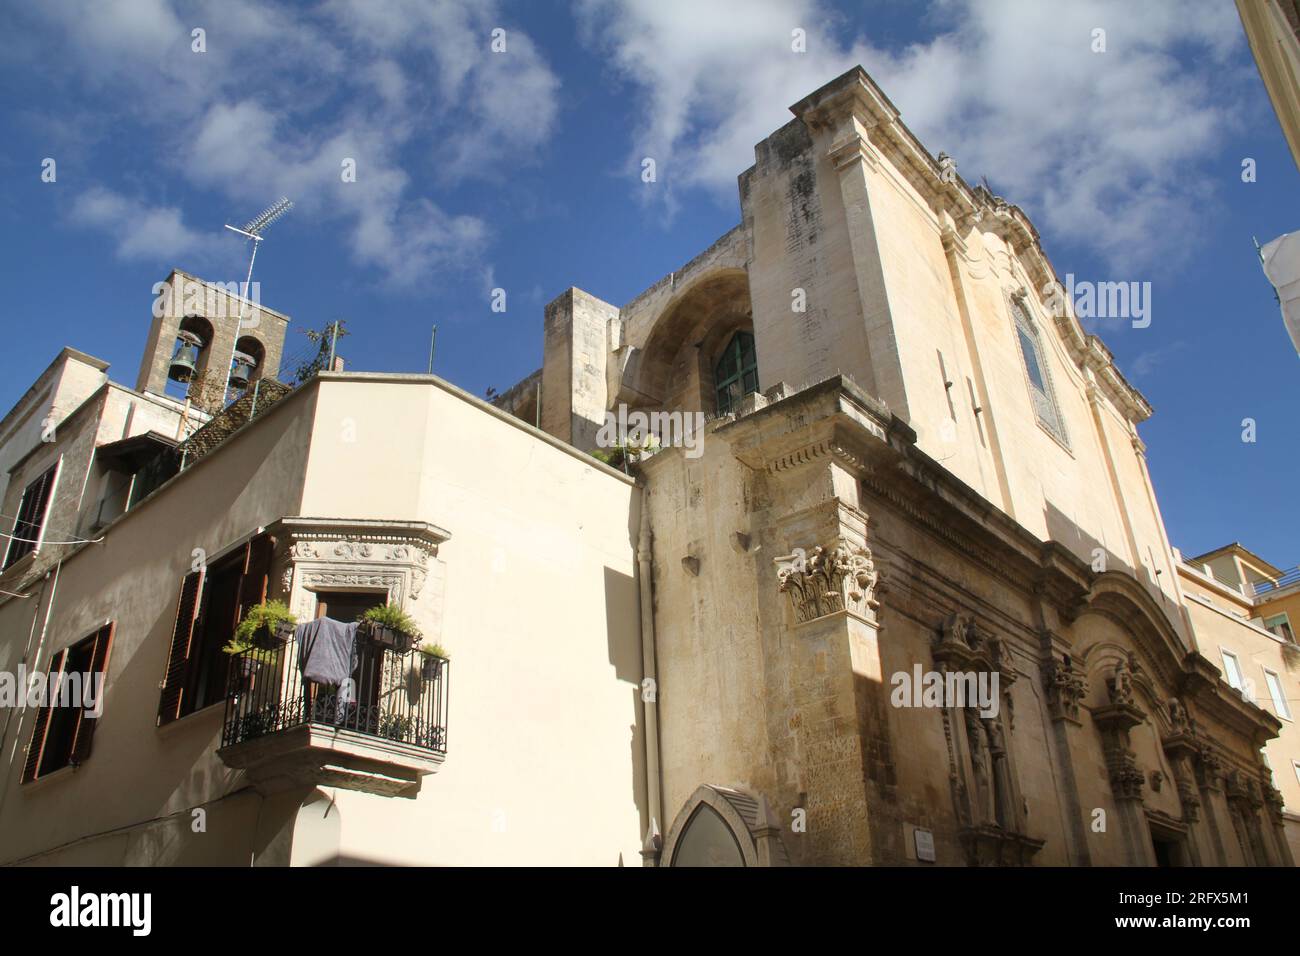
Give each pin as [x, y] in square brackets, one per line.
[673, 369]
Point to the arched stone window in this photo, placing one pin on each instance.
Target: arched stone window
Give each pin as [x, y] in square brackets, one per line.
[736, 374]
[722, 826]
[1038, 375]
[707, 841]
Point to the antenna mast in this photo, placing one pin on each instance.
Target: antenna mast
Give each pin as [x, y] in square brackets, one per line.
[253, 229]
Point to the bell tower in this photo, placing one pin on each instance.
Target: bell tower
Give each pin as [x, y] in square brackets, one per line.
[197, 338]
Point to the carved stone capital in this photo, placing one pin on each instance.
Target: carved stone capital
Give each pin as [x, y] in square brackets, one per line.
[828, 580]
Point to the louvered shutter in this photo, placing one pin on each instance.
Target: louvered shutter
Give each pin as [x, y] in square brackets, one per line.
[254, 584]
[36, 749]
[98, 667]
[174, 679]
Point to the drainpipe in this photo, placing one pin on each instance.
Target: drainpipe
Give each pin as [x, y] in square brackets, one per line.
[649, 687]
[34, 658]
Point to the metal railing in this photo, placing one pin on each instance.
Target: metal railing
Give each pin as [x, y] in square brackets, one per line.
[399, 696]
[1290, 577]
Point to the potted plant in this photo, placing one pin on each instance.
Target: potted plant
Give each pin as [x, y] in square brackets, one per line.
[255, 724]
[267, 625]
[391, 627]
[395, 726]
[432, 657]
[251, 657]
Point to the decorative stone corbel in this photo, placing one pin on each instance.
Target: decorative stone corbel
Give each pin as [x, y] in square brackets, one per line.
[1066, 688]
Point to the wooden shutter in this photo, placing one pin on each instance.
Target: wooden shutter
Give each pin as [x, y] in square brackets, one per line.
[36, 749]
[178, 658]
[31, 517]
[255, 583]
[86, 724]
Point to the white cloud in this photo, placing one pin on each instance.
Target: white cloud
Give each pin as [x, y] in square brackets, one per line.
[1093, 145]
[141, 231]
[282, 96]
[498, 102]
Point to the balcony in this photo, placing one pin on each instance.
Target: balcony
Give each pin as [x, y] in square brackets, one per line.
[1265, 589]
[381, 735]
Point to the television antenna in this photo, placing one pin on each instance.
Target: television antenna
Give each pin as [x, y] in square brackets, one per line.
[253, 229]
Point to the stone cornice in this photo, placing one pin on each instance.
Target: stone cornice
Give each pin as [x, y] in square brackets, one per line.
[377, 530]
[835, 422]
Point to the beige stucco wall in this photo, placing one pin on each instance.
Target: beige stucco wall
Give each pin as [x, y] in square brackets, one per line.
[540, 619]
[538, 610]
[133, 578]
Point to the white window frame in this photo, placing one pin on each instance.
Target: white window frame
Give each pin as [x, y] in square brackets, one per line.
[1233, 669]
[1047, 410]
[1277, 692]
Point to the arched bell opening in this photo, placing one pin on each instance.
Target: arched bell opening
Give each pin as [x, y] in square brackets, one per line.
[189, 358]
[247, 363]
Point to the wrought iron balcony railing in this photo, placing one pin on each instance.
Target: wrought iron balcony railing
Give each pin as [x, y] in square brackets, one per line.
[392, 696]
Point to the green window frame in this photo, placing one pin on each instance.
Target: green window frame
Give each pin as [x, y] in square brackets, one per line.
[736, 373]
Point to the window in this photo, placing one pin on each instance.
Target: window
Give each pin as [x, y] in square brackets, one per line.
[212, 602]
[736, 374]
[66, 720]
[1232, 669]
[1037, 375]
[1275, 691]
[1280, 625]
[32, 511]
[707, 841]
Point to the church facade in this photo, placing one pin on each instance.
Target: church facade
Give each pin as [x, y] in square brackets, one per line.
[890, 584]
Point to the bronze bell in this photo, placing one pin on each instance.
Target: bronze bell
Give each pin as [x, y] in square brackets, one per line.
[241, 370]
[185, 363]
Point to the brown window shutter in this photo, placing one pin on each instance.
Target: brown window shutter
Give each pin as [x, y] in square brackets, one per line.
[98, 666]
[36, 749]
[254, 585]
[31, 517]
[178, 658]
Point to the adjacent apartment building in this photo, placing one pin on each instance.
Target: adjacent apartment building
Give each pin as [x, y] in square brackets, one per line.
[1244, 612]
[890, 586]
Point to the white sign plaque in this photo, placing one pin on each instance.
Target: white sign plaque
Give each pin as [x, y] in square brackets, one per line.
[924, 845]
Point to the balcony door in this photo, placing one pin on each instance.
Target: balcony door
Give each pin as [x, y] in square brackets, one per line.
[348, 606]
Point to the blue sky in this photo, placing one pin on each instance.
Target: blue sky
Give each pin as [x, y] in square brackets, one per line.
[520, 170]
